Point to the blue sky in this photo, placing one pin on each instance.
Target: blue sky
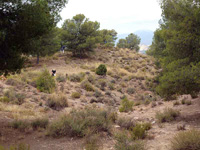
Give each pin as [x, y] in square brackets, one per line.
[125, 16]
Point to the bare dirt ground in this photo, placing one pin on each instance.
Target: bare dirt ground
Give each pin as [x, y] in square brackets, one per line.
[159, 135]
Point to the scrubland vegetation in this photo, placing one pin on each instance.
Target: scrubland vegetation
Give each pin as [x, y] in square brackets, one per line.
[103, 96]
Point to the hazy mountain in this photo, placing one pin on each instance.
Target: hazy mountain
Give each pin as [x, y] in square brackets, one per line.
[145, 35]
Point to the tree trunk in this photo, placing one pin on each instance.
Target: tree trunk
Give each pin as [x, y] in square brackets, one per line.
[38, 58]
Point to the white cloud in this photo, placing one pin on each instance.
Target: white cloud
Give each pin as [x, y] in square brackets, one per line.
[117, 14]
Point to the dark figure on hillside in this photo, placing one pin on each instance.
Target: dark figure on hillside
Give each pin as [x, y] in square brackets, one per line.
[53, 72]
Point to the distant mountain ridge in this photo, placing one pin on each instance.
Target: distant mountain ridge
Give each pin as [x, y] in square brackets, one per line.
[145, 35]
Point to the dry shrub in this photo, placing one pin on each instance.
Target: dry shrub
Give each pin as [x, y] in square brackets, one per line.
[187, 140]
[57, 101]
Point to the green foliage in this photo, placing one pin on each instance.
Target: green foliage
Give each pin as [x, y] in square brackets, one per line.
[122, 43]
[167, 115]
[45, 82]
[139, 131]
[76, 95]
[176, 48]
[108, 38]
[4, 99]
[132, 42]
[21, 23]
[124, 142]
[126, 105]
[188, 140]
[57, 101]
[80, 35]
[101, 70]
[87, 86]
[78, 122]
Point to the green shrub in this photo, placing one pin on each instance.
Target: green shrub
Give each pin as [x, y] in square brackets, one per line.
[87, 86]
[40, 123]
[45, 82]
[78, 122]
[60, 78]
[126, 105]
[4, 99]
[124, 142]
[167, 115]
[188, 140]
[57, 101]
[101, 70]
[76, 95]
[139, 131]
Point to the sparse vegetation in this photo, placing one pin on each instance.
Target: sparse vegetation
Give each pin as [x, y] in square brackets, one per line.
[40, 123]
[20, 146]
[167, 115]
[124, 142]
[77, 77]
[77, 122]
[187, 140]
[60, 78]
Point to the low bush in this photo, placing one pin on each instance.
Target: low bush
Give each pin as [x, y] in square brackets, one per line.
[45, 82]
[91, 79]
[11, 96]
[124, 142]
[139, 131]
[126, 105]
[78, 122]
[101, 70]
[57, 101]
[40, 123]
[76, 95]
[87, 86]
[188, 140]
[167, 115]
[130, 90]
[91, 142]
[77, 77]
[126, 123]
[4, 99]
[102, 83]
[111, 86]
[60, 78]
[22, 125]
